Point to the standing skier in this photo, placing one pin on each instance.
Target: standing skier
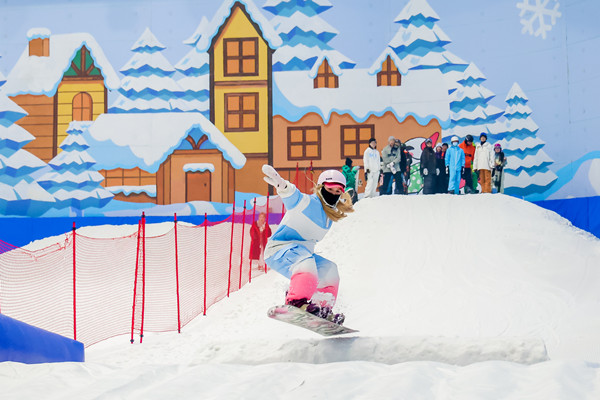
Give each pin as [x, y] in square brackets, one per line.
[314, 280]
[455, 162]
[372, 166]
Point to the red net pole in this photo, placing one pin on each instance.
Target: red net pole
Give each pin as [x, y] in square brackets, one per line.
[205, 246]
[250, 267]
[242, 248]
[137, 264]
[231, 251]
[267, 222]
[74, 285]
[177, 278]
[143, 274]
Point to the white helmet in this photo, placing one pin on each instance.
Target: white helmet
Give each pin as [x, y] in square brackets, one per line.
[454, 139]
[332, 176]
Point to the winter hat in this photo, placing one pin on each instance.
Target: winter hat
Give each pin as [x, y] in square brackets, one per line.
[428, 140]
[483, 135]
[497, 145]
[454, 139]
[438, 145]
[391, 138]
[348, 161]
[372, 140]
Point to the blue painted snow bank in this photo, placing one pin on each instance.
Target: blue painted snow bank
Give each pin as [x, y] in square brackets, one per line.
[583, 212]
[24, 343]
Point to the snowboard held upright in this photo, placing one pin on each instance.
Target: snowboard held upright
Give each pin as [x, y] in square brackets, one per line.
[295, 316]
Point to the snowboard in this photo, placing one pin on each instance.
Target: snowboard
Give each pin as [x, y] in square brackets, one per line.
[295, 316]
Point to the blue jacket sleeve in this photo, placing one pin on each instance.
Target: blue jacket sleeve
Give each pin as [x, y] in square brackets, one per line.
[293, 199]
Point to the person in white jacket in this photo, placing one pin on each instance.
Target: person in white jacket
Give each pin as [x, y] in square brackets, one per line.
[372, 163]
[483, 163]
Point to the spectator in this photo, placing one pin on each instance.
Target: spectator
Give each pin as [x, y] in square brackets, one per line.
[469, 150]
[428, 168]
[441, 178]
[391, 166]
[371, 164]
[483, 162]
[404, 167]
[497, 172]
[455, 162]
[350, 173]
[260, 232]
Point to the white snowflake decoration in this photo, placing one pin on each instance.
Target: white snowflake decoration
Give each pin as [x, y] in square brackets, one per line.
[535, 16]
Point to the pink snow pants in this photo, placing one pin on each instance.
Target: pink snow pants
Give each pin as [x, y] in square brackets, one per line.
[311, 276]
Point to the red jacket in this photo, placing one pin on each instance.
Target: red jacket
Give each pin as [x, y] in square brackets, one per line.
[259, 240]
[469, 154]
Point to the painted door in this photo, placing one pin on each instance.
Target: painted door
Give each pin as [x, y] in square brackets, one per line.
[197, 186]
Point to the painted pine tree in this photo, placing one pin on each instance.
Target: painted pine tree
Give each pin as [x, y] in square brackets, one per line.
[73, 181]
[148, 85]
[470, 111]
[305, 35]
[19, 193]
[195, 68]
[526, 172]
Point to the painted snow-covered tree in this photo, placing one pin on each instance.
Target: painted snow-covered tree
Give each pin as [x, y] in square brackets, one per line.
[195, 68]
[148, 85]
[73, 181]
[470, 111]
[526, 172]
[305, 35]
[19, 193]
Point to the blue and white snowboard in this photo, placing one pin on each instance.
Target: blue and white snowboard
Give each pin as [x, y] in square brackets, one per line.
[295, 316]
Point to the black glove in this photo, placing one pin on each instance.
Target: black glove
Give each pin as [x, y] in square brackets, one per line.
[368, 171]
[447, 170]
[462, 172]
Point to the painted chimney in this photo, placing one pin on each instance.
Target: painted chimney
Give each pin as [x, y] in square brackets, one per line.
[39, 42]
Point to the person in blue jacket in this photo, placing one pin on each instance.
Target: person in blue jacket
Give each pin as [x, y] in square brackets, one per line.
[314, 280]
[455, 162]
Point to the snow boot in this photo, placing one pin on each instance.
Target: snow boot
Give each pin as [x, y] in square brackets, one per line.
[327, 313]
[305, 305]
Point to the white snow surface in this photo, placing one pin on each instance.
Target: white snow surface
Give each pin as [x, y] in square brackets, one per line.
[458, 305]
[42, 75]
[38, 33]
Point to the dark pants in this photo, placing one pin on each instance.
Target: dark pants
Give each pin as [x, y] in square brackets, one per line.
[429, 184]
[468, 177]
[387, 183]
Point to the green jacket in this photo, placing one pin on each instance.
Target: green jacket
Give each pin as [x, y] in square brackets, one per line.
[350, 175]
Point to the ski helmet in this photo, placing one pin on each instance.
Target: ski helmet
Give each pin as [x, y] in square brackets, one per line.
[332, 176]
[454, 139]
[469, 138]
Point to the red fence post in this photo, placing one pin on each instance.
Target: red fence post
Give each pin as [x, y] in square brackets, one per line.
[177, 277]
[205, 245]
[137, 263]
[74, 285]
[267, 222]
[231, 251]
[250, 267]
[143, 273]
[242, 249]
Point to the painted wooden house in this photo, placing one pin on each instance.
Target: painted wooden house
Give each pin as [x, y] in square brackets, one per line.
[240, 42]
[59, 79]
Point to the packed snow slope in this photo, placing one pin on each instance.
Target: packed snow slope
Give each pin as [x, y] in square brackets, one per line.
[455, 297]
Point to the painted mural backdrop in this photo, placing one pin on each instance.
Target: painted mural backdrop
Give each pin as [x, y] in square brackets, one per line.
[108, 107]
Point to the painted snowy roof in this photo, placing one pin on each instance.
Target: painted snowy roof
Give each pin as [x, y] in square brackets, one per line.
[335, 60]
[42, 75]
[388, 51]
[193, 40]
[147, 42]
[223, 13]
[150, 190]
[414, 8]
[145, 140]
[38, 33]
[516, 92]
[199, 167]
[302, 21]
[422, 95]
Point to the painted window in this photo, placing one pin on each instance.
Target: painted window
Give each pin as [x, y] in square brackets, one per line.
[83, 65]
[241, 112]
[355, 139]
[325, 77]
[127, 177]
[240, 57]
[82, 107]
[304, 143]
[389, 75]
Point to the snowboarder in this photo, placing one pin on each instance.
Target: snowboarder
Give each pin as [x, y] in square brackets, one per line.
[314, 280]
[428, 168]
[259, 234]
[350, 173]
[483, 162]
[371, 164]
[455, 162]
[499, 163]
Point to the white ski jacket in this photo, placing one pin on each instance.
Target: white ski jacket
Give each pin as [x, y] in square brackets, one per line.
[372, 161]
[484, 157]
